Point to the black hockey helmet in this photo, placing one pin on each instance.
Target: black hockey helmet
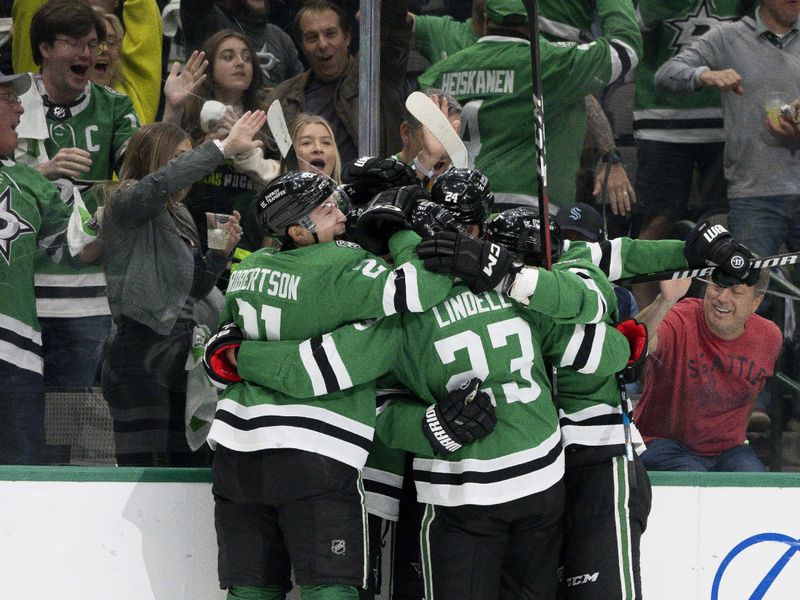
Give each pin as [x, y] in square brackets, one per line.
[519, 230]
[466, 193]
[289, 198]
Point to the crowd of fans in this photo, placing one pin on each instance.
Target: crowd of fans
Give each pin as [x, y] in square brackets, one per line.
[127, 126]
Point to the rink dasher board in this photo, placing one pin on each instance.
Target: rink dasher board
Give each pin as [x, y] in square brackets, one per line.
[139, 534]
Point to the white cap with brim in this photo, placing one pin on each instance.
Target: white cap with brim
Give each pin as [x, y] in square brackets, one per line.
[19, 83]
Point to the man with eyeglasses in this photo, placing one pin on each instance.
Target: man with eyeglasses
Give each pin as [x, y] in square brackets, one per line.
[73, 132]
[32, 217]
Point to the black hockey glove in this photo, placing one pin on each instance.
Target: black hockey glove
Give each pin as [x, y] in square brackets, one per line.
[367, 176]
[463, 416]
[636, 334]
[387, 213]
[480, 264]
[713, 243]
[429, 218]
[215, 360]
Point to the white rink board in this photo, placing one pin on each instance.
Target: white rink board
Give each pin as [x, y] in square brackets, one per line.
[119, 540]
[146, 534]
[693, 529]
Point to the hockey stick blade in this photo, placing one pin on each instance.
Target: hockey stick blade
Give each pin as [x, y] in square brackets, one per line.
[764, 262]
[427, 113]
[277, 125]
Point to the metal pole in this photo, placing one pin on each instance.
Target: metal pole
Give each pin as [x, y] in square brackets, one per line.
[369, 65]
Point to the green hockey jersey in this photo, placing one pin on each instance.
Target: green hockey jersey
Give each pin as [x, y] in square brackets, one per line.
[32, 218]
[668, 27]
[590, 406]
[101, 122]
[568, 21]
[467, 335]
[436, 37]
[305, 292]
[492, 79]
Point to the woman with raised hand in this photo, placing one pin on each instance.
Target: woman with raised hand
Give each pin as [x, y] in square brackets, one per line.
[217, 85]
[156, 271]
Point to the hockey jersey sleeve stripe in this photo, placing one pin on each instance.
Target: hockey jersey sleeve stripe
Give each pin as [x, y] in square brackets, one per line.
[607, 255]
[623, 60]
[30, 339]
[401, 292]
[584, 349]
[602, 307]
[324, 365]
[24, 359]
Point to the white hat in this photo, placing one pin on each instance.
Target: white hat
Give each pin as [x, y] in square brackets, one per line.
[19, 83]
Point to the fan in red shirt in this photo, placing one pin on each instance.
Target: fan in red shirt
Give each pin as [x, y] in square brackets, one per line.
[709, 360]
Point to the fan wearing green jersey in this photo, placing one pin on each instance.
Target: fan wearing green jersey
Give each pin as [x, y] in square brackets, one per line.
[77, 131]
[312, 285]
[33, 218]
[679, 137]
[437, 37]
[493, 80]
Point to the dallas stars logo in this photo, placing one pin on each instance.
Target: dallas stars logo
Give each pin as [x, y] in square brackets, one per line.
[12, 225]
[692, 26]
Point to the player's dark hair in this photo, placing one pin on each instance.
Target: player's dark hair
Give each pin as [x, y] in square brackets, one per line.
[73, 18]
[319, 6]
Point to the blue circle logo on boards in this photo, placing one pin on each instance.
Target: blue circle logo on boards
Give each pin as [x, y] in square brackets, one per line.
[792, 544]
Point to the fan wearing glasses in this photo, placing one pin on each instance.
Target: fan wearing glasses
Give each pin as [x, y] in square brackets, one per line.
[75, 133]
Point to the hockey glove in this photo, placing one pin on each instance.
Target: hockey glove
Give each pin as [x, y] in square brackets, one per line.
[713, 243]
[463, 416]
[367, 176]
[636, 334]
[429, 218]
[215, 360]
[387, 213]
[480, 264]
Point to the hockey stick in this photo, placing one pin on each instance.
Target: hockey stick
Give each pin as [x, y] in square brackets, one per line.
[427, 113]
[277, 125]
[538, 127]
[764, 262]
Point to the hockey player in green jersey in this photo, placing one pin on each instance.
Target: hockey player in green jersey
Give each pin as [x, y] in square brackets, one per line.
[565, 288]
[493, 80]
[77, 131]
[32, 217]
[312, 285]
[478, 494]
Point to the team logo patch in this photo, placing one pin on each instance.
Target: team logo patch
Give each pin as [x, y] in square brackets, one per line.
[346, 244]
[692, 26]
[338, 547]
[12, 225]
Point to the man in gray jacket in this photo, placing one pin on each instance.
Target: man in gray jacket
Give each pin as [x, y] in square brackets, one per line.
[330, 87]
[751, 62]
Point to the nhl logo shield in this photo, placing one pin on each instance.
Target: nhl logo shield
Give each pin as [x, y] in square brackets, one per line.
[338, 547]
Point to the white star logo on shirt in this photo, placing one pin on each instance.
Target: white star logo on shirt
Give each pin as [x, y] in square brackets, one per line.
[691, 27]
[12, 225]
